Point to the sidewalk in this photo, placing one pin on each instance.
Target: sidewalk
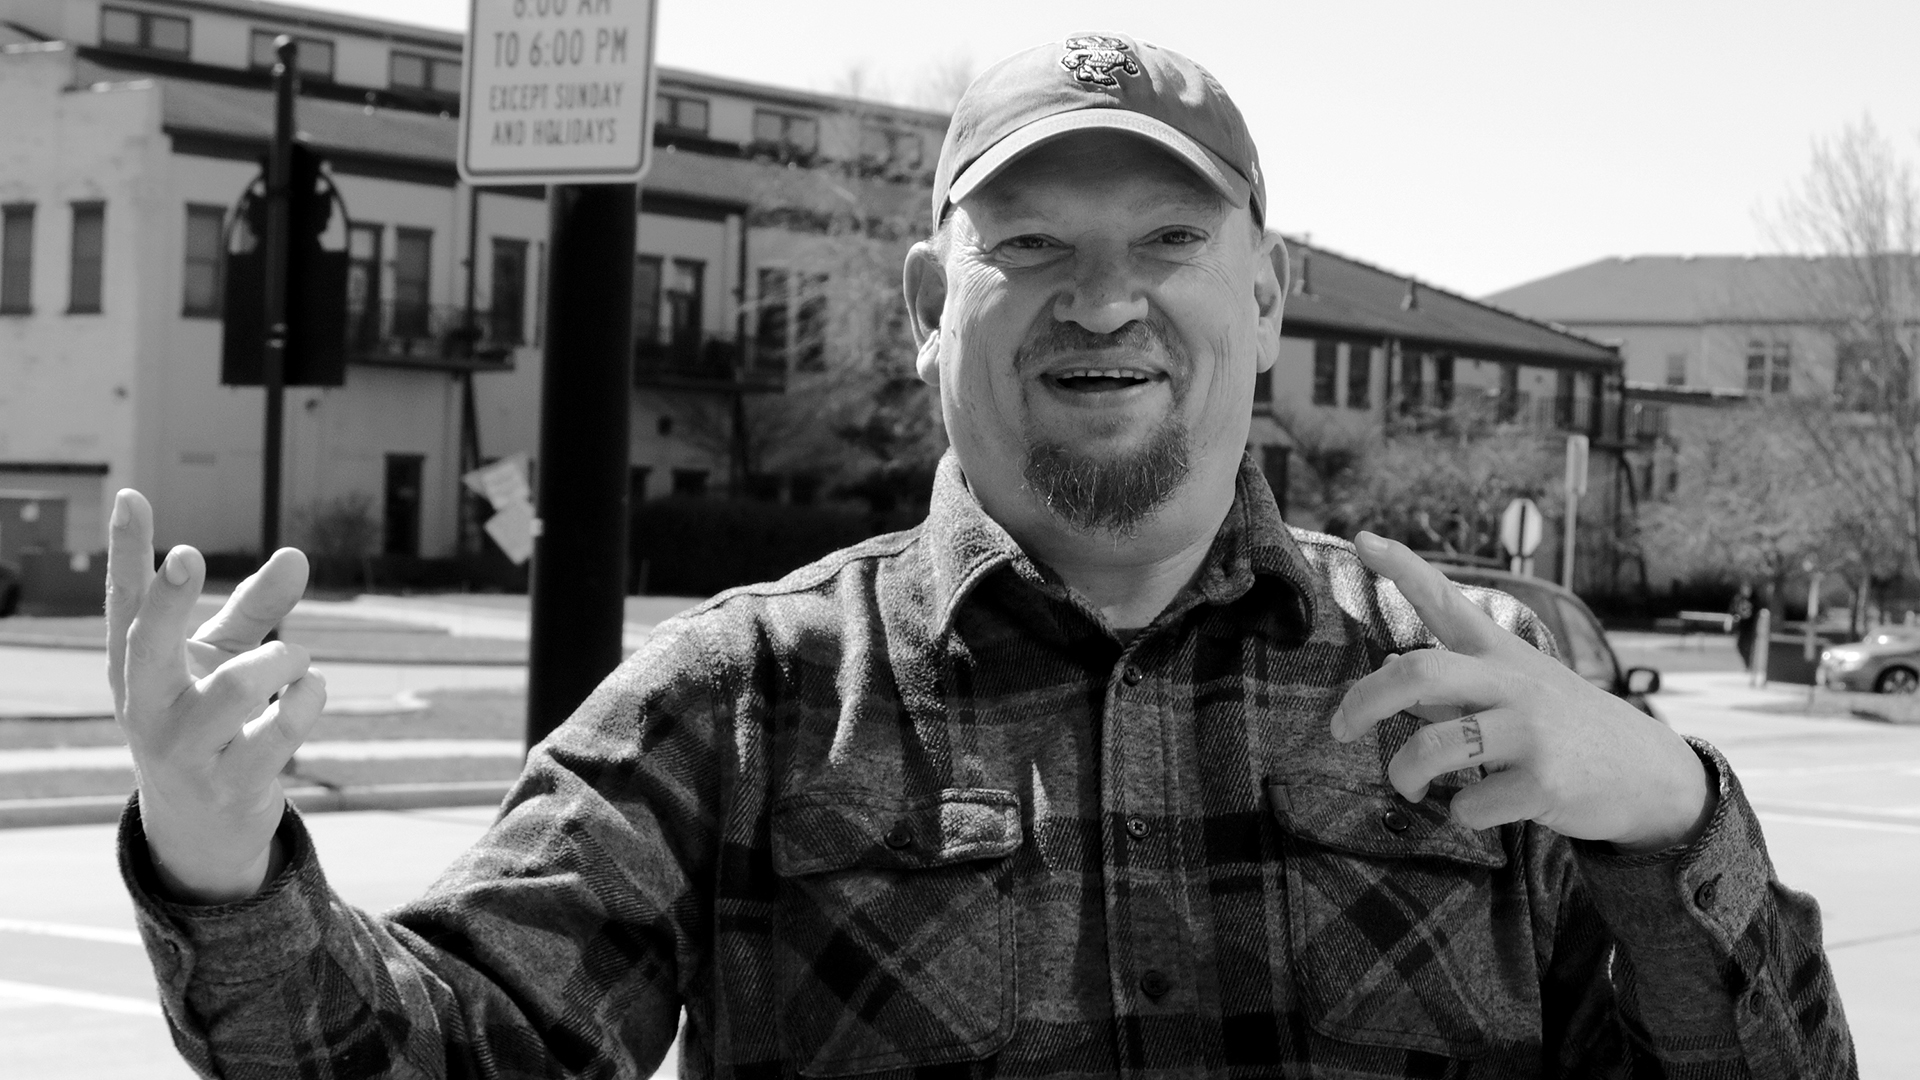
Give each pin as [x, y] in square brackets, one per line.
[425, 705]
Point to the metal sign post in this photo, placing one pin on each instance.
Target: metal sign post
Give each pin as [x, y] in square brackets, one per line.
[274, 310]
[560, 92]
[1576, 486]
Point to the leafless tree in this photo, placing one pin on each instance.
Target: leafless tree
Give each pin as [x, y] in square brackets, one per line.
[1855, 221]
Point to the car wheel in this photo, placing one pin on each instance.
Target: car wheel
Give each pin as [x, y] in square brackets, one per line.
[1897, 681]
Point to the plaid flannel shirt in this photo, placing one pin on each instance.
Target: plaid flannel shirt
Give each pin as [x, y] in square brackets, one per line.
[915, 811]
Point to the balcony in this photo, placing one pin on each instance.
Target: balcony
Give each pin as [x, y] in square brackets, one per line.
[439, 337]
[702, 362]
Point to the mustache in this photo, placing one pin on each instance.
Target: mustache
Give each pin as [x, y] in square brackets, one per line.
[1054, 337]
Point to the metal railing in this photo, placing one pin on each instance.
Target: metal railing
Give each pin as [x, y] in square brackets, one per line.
[699, 362]
[401, 332]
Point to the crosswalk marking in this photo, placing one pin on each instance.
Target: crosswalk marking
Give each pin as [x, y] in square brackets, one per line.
[109, 934]
[34, 993]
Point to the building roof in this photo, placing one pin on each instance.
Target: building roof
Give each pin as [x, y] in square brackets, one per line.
[1340, 296]
[239, 121]
[1674, 289]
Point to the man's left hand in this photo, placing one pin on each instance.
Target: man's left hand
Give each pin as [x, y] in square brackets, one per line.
[1558, 750]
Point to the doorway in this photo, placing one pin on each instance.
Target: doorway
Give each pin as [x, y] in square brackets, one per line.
[402, 518]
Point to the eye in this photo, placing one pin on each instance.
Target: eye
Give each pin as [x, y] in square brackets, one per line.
[1028, 249]
[1179, 236]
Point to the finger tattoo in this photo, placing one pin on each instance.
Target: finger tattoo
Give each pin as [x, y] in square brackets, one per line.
[1470, 730]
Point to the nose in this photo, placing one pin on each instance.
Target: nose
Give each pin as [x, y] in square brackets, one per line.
[1103, 296]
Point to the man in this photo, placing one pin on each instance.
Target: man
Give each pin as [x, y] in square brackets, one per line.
[1100, 770]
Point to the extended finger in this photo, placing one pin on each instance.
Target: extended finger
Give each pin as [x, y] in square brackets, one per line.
[1476, 739]
[263, 746]
[238, 690]
[129, 571]
[156, 643]
[1450, 615]
[1503, 797]
[259, 604]
[1419, 680]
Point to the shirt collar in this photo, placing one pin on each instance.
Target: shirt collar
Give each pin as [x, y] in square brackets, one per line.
[966, 546]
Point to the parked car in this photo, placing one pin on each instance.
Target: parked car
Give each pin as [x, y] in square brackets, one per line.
[1583, 644]
[9, 589]
[1887, 661]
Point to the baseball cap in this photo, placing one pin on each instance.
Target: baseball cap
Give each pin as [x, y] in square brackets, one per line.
[1106, 81]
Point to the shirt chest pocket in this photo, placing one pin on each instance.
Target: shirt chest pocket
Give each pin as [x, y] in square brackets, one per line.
[1406, 929]
[895, 934]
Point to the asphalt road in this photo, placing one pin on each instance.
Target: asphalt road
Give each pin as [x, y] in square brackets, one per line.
[1840, 799]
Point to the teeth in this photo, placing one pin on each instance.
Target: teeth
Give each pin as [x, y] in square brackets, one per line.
[1100, 373]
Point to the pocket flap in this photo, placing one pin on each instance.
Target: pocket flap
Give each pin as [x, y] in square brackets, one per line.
[1377, 821]
[814, 832]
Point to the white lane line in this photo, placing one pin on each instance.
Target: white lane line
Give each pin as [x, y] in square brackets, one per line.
[1906, 766]
[108, 934]
[35, 994]
[1840, 823]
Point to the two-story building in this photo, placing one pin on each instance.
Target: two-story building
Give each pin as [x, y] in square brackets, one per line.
[135, 125]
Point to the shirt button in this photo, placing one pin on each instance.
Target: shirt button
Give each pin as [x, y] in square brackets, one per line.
[1138, 828]
[1133, 676]
[1707, 894]
[1154, 983]
[900, 836]
[1395, 821]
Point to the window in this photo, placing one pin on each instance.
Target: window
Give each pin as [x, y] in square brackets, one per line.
[1359, 376]
[1563, 399]
[1326, 371]
[1862, 380]
[646, 300]
[683, 114]
[786, 132]
[89, 253]
[1587, 652]
[145, 30]
[685, 290]
[1412, 393]
[314, 60]
[16, 259]
[363, 284]
[791, 329]
[416, 71]
[412, 270]
[507, 306]
[1443, 381]
[1676, 369]
[689, 481]
[885, 146]
[200, 280]
[1769, 367]
[770, 330]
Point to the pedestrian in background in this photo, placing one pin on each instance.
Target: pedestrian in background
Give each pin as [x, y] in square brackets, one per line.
[1745, 617]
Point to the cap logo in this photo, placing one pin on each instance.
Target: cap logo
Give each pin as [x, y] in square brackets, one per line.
[1094, 59]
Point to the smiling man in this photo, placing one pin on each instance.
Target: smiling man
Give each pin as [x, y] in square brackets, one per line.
[1102, 770]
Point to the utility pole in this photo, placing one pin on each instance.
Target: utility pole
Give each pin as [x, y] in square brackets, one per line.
[274, 356]
[579, 574]
[1576, 486]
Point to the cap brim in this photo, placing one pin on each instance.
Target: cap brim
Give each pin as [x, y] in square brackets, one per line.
[1220, 175]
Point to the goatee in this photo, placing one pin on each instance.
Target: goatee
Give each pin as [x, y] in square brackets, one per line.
[1110, 493]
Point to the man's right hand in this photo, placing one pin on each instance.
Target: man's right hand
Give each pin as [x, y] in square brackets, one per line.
[208, 743]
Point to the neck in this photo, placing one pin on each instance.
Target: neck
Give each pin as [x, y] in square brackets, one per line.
[1128, 588]
[1130, 579]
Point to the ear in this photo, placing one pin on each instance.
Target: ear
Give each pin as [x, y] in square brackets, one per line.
[924, 282]
[1272, 277]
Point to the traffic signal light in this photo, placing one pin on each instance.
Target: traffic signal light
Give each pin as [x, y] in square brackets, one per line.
[316, 285]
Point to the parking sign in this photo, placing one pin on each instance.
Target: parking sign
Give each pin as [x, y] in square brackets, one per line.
[558, 92]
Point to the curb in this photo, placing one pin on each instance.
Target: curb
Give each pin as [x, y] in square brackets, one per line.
[309, 799]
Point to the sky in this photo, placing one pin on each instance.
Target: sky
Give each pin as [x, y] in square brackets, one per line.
[1475, 144]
